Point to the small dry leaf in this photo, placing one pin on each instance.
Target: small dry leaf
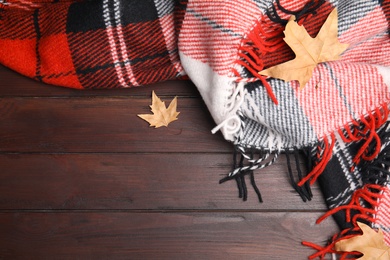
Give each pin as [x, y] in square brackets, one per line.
[308, 51]
[162, 116]
[371, 244]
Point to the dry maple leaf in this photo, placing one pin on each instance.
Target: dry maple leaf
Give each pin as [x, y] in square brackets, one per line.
[371, 244]
[308, 51]
[162, 116]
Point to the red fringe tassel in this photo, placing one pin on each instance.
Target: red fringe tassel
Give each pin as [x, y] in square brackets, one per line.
[370, 194]
[324, 159]
[366, 130]
[259, 43]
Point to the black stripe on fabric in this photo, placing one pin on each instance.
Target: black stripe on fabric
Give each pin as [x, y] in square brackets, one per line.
[38, 75]
[135, 11]
[85, 16]
[88, 15]
[121, 64]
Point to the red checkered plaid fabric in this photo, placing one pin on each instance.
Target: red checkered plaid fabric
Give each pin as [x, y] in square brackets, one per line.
[90, 44]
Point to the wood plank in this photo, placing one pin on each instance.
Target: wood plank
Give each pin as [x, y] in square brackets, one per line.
[183, 235]
[103, 125]
[140, 181]
[14, 84]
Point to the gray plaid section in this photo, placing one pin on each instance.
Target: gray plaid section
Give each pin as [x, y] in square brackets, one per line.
[350, 12]
[164, 7]
[284, 125]
[263, 4]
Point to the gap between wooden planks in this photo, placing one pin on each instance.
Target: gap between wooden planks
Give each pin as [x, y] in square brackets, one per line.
[83, 178]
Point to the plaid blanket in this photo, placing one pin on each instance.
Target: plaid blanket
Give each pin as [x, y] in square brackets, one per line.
[356, 193]
[338, 121]
[91, 44]
[334, 120]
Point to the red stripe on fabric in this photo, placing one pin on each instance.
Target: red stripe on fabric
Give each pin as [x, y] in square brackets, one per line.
[199, 41]
[168, 28]
[89, 49]
[362, 85]
[53, 19]
[211, 31]
[376, 51]
[237, 16]
[144, 39]
[368, 36]
[100, 79]
[370, 25]
[321, 102]
[160, 73]
[355, 89]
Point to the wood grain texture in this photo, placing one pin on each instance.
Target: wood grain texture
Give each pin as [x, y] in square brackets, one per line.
[188, 235]
[140, 181]
[103, 125]
[81, 177]
[14, 85]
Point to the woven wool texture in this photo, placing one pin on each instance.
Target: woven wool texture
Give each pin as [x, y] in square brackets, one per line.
[340, 93]
[338, 120]
[91, 44]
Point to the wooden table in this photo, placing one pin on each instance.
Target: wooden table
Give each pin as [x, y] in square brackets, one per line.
[82, 177]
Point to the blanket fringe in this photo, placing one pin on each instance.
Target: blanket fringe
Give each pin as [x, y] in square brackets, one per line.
[367, 156]
[365, 131]
[305, 190]
[253, 47]
[363, 203]
[267, 37]
[323, 155]
[308, 10]
[249, 161]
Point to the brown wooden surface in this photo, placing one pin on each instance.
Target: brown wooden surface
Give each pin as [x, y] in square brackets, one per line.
[83, 178]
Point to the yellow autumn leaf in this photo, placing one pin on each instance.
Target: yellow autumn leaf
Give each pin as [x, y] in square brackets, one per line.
[371, 244]
[162, 115]
[308, 51]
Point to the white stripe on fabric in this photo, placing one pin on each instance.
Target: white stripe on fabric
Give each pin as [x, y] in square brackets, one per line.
[286, 120]
[164, 7]
[123, 47]
[111, 40]
[354, 10]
